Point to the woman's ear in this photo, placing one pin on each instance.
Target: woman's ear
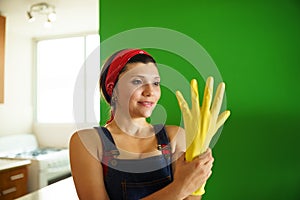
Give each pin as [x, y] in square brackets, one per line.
[114, 99]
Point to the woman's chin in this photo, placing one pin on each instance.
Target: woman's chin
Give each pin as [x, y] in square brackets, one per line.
[144, 114]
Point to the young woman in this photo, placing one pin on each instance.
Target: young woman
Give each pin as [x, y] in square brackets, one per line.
[129, 158]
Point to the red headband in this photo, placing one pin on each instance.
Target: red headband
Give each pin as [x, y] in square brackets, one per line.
[117, 65]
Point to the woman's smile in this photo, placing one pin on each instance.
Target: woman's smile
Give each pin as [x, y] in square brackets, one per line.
[147, 104]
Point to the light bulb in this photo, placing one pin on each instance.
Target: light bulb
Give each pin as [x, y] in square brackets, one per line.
[52, 17]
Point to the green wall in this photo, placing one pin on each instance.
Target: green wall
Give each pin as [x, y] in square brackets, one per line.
[255, 45]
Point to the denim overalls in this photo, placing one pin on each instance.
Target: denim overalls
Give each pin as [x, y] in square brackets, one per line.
[134, 179]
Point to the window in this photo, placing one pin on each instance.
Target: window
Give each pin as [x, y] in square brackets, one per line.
[63, 70]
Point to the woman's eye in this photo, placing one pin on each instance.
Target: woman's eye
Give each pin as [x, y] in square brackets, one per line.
[157, 83]
[137, 82]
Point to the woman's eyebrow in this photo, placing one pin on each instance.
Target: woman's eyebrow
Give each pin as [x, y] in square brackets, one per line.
[143, 76]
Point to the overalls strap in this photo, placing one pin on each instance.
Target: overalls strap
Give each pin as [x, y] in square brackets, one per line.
[109, 148]
[163, 142]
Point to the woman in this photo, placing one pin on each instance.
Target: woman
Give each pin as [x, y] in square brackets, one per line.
[129, 158]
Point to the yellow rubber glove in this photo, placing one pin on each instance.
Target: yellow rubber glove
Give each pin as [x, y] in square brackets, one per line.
[201, 124]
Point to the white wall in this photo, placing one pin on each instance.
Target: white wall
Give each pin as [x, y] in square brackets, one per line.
[53, 135]
[16, 114]
[57, 135]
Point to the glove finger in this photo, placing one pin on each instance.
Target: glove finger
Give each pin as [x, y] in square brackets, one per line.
[183, 105]
[216, 106]
[215, 126]
[195, 99]
[222, 118]
[205, 109]
[207, 94]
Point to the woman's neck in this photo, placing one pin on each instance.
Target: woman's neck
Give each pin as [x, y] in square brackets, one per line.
[135, 127]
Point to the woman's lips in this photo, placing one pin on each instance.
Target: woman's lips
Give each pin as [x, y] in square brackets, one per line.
[147, 104]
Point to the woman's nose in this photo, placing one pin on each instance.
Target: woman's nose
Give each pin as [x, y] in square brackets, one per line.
[148, 90]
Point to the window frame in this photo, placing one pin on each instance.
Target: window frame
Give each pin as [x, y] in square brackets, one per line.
[35, 79]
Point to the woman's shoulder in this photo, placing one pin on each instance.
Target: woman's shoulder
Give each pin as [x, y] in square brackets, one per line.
[87, 138]
[85, 134]
[176, 135]
[90, 131]
[173, 130]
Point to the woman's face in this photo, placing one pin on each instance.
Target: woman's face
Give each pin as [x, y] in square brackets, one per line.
[137, 90]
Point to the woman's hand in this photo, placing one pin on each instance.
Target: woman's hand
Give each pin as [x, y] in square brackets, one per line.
[189, 176]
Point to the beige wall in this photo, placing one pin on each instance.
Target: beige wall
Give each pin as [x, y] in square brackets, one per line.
[16, 114]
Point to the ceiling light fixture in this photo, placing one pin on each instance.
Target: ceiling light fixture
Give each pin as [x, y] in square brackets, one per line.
[42, 9]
